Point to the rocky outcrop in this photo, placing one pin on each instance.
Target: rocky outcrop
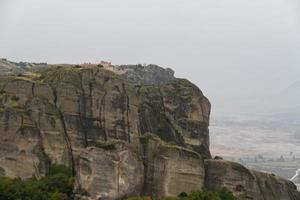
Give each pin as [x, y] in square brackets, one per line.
[169, 168]
[246, 184]
[70, 115]
[110, 174]
[177, 112]
[121, 136]
[149, 74]
[157, 169]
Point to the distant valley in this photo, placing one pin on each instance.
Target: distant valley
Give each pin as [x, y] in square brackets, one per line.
[263, 143]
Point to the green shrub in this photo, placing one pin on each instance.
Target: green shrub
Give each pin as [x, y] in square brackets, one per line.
[182, 195]
[103, 145]
[59, 169]
[170, 198]
[58, 184]
[221, 194]
[58, 196]
[15, 98]
[225, 194]
[139, 198]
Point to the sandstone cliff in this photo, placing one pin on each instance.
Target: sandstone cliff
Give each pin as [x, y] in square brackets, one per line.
[247, 184]
[122, 135]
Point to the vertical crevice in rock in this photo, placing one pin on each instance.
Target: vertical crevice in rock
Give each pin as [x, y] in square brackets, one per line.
[39, 119]
[32, 89]
[44, 160]
[91, 114]
[21, 125]
[118, 177]
[127, 112]
[54, 92]
[81, 120]
[102, 115]
[78, 189]
[118, 104]
[68, 142]
[82, 112]
[6, 120]
[115, 131]
[140, 129]
[91, 97]
[144, 158]
[148, 163]
[64, 132]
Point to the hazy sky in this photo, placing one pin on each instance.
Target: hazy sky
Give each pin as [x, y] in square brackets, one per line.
[232, 49]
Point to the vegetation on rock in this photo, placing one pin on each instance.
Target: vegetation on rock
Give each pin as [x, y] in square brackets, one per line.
[221, 194]
[103, 145]
[123, 130]
[58, 184]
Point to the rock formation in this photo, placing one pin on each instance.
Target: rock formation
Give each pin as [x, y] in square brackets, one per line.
[122, 134]
[247, 184]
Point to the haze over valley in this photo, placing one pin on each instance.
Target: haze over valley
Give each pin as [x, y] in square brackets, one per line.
[243, 55]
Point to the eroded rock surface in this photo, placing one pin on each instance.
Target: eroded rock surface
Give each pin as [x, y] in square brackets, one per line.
[247, 184]
[139, 132]
[70, 114]
[110, 174]
[169, 168]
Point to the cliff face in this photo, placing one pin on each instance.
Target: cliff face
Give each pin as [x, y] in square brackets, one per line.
[121, 136]
[93, 121]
